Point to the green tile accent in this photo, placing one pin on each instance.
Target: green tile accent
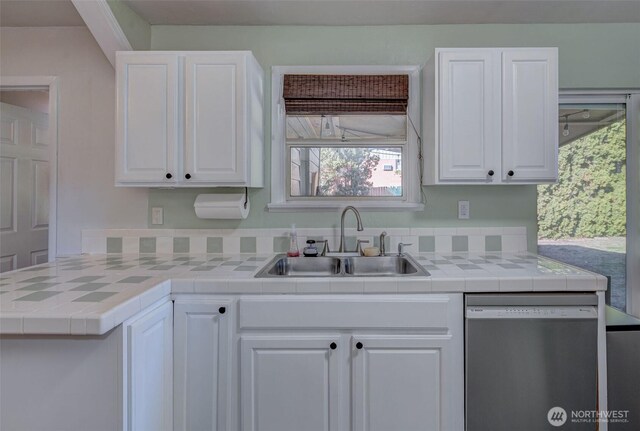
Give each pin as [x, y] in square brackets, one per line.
[147, 245]
[248, 244]
[86, 279]
[90, 286]
[37, 279]
[427, 244]
[350, 243]
[134, 279]
[94, 297]
[214, 244]
[493, 243]
[459, 243]
[118, 267]
[181, 245]
[114, 245]
[281, 244]
[38, 286]
[162, 267]
[246, 268]
[37, 296]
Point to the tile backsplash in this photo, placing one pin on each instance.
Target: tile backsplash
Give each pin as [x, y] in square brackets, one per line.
[233, 241]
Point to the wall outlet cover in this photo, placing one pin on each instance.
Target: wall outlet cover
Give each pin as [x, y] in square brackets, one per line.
[157, 215]
[463, 210]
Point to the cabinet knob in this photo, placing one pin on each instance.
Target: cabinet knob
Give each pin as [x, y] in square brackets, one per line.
[333, 346]
[491, 173]
[222, 310]
[169, 176]
[188, 176]
[510, 173]
[359, 345]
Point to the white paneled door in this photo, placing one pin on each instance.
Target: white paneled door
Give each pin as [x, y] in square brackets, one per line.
[24, 187]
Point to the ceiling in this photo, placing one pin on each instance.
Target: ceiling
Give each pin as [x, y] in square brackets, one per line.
[378, 12]
[47, 13]
[39, 13]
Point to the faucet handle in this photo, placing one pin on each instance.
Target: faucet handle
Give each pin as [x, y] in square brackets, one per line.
[359, 246]
[401, 247]
[325, 248]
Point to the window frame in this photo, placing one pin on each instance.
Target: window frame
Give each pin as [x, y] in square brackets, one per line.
[280, 171]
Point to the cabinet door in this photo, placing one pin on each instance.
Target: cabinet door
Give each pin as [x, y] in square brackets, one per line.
[289, 383]
[215, 114]
[146, 118]
[405, 383]
[202, 365]
[150, 371]
[468, 115]
[530, 114]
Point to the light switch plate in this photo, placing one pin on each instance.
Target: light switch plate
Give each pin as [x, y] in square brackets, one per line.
[157, 215]
[463, 210]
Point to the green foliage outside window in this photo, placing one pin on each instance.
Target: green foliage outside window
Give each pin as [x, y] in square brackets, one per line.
[347, 171]
[589, 199]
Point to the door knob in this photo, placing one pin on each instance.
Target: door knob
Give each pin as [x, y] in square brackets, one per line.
[333, 346]
[222, 310]
[359, 345]
[510, 173]
[169, 176]
[188, 176]
[491, 173]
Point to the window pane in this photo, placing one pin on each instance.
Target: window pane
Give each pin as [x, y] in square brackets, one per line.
[582, 218]
[346, 127]
[336, 172]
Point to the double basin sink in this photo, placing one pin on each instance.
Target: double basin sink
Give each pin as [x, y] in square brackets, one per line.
[343, 266]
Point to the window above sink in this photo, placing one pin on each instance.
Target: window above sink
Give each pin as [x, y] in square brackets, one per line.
[328, 152]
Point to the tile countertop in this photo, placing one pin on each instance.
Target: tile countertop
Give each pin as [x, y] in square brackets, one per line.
[92, 294]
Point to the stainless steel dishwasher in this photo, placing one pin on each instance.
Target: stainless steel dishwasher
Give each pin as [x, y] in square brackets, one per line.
[526, 354]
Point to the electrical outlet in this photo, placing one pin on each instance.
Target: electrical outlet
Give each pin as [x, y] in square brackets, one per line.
[463, 210]
[157, 215]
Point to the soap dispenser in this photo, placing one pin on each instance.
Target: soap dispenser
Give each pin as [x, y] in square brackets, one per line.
[293, 243]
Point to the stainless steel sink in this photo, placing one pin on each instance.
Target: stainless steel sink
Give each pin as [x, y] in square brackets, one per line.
[382, 266]
[283, 266]
[358, 266]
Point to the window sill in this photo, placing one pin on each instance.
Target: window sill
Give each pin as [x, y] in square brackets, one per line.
[299, 206]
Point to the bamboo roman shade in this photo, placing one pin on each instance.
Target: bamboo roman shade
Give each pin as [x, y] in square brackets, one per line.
[345, 94]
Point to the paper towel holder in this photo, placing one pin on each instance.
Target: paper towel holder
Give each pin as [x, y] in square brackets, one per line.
[246, 197]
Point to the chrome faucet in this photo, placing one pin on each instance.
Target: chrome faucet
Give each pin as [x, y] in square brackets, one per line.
[358, 219]
[383, 235]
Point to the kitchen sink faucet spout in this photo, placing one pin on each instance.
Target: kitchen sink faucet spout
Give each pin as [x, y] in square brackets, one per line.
[341, 249]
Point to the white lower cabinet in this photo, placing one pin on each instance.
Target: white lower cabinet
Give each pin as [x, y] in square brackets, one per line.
[202, 365]
[289, 383]
[398, 383]
[149, 370]
[320, 362]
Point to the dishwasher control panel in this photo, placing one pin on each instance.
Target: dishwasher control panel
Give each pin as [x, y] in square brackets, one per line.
[531, 312]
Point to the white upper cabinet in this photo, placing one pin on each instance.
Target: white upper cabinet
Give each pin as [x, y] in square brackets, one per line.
[530, 115]
[189, 119]
[491, 116]
[147, 118]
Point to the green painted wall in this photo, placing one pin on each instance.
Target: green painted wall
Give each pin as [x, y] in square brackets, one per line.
[137, 30]
[591, 56]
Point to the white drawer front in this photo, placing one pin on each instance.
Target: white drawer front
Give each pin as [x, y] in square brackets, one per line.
[410, 312]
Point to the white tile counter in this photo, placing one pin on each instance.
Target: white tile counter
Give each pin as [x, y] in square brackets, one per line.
[92, 294]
